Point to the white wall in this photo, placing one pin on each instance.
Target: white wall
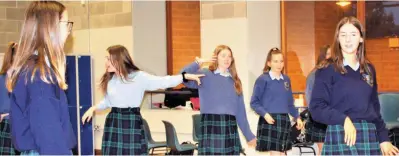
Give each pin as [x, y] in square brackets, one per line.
[264, 33]
[149, 40]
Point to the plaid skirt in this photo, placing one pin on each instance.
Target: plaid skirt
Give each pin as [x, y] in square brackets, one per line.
[33, 152]
[275, 137]
[124, 133]
[366, 140]
[315, 131]
[6, 146]
[30, 152]
[219, 135]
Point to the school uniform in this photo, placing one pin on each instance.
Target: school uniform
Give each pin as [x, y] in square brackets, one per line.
[123, 130]
[6, 146]
[273, 95]
[40, 121]
[222, 112]
[337, 96]
[314, 131]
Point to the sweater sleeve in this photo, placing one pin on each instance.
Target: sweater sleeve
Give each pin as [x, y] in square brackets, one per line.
[104, 104]
[153, 82]
[320, 103]
[44, 118]
[382, 131]
[291, 106]
[309, 87]
[242, 120]
[192, 68]
[257, 96]
[4, 96]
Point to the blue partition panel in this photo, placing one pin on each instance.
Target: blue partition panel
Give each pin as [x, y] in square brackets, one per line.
[71, 94]
[85, 101]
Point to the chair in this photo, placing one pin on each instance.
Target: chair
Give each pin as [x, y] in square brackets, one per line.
[197, 130]
[389, 112]
[298, 137]
[304, 145]
[389, 109]
[171, 139]
[196, 127]
[152, 145]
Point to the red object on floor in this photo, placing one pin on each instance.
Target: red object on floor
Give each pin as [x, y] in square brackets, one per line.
[196, 103]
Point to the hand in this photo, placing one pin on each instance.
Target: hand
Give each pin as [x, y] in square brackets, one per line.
[205, 60]
[252, 143]
[269, 119]
[350, 132]
[2, 116]
[299, 123]
[388, 149]
[194, 77]
[88, 115]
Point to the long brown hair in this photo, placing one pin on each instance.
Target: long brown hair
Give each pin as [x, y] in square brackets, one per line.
[272, 52]
[336, 53]
[322, 56]
[232, 68]
[40, 33]
[121, 60]
[8, 58]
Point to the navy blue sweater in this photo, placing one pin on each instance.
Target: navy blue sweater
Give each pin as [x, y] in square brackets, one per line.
[39, 115]
[218, 96]
[273, 96]
[4, 99]
[336, 96]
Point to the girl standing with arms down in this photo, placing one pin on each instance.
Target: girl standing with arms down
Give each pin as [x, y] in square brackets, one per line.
[6, 146]
[222, 105]
[40, 122]
[315, 131]
[272, 99]
[124, 85]
[345, 97]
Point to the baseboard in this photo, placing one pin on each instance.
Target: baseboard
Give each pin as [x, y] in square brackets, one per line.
[97, 152]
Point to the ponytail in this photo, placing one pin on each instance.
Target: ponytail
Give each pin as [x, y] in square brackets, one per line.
[8, 57]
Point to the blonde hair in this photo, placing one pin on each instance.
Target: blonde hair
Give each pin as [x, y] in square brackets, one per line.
[8, 58]
[40, 33]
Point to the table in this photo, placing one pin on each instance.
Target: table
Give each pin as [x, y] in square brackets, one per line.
[183, 92]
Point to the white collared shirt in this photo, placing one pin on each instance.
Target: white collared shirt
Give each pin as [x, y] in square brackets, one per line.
[356, 67]
[130, 93]
[275, 78]
[225, 74]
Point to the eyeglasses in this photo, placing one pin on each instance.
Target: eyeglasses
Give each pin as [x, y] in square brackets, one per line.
[69, 25]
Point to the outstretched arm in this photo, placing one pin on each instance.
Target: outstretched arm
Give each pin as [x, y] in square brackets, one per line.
[242, 119]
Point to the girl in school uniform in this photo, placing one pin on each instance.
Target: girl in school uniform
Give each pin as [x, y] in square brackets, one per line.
[222, 105]
[39, 116]
[315, 131]
[345, 97]
[124, 85]
[272, 100]
[6, 146]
